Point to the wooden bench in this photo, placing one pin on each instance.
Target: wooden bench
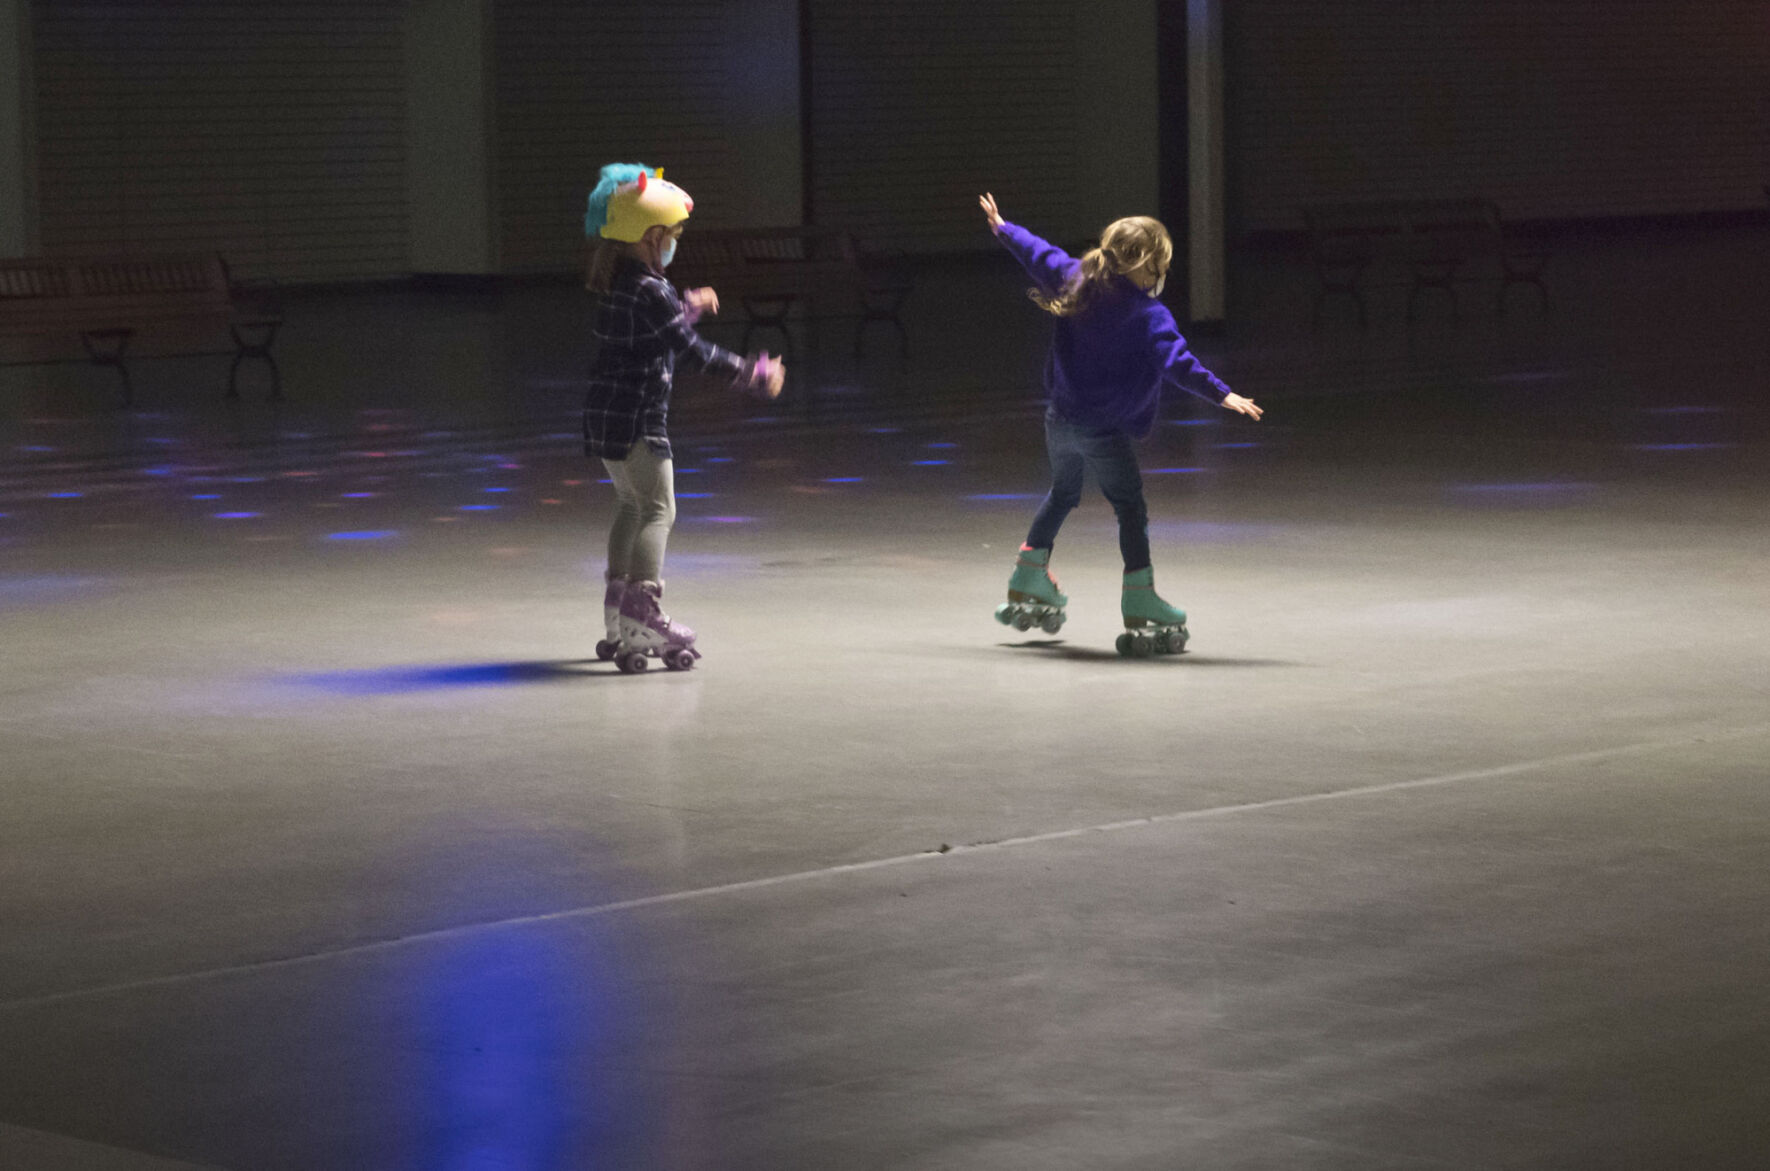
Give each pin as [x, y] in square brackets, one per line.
[107, 302]
[772, 271]
[1435, 238]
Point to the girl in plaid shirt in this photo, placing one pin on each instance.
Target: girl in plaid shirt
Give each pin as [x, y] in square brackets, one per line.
[644, 327]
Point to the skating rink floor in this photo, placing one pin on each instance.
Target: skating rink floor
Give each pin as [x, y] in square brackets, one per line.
[327, 844]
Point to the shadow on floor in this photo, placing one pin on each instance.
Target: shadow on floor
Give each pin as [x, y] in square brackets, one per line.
[402, 680]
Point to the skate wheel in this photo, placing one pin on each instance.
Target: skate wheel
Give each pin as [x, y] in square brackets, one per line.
[632, 663]
[1161, 643]
[1005, 613]
[606, 650]
[1052, 623]
[1124, 645]
[680, 659]
[1023, 621]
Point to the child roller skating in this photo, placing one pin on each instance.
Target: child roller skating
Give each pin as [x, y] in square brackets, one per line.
[644, 326]
[1116, 347]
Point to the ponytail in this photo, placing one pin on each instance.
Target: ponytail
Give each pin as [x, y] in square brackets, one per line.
[1126, 246]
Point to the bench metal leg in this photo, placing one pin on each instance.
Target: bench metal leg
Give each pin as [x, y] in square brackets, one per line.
[116, 356]
[259, 348]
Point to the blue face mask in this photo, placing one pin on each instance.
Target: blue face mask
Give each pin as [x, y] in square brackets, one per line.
[668, 254]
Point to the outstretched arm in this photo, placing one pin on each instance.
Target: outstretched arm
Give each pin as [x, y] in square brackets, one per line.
[1050, 267]
[1182, 369]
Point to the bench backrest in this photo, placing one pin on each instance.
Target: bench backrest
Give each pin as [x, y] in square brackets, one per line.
[91, 292]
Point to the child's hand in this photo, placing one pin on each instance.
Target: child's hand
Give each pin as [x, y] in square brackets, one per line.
[767, 377]
[1235, 402]
[701, 301]
[988, 203]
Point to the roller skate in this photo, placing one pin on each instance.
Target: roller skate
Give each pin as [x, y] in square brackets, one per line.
[647, 632]
[1033, 598]
[609, 647]
[1152, 627]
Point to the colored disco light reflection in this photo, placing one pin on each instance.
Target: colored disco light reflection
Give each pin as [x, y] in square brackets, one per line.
[34, 447]
[1192, 422]
[1679, 446]
[931, 463]
[844, 479]
[720, 459]
[406, 680]
[364, 535]
[1235, 446]
[206, 496]
[884, 430]
[1172, 471]
[159, 471]
[64, 495]
[694, 495]
[236, 515]
[940, 446]
[358, 495]
[495, 489]
[479, 508]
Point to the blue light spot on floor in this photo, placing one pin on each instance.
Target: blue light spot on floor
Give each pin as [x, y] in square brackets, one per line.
[942, 445]
[694, 495]
[495, 489]
[64, 495]
[690, 471]
[404, 680]
[35, 447]
[1192, 422]
[845, 479]
[246, 479]
[359, 495]
[36, 588]
[1678, 446]
[930, 463]
[1172, 471]
[1235, 446]
[720, 459]
[206, 496]
[364, 535]
[726, 520]
[479, 508]
[236, 515]
[160, 471]
[884, 430]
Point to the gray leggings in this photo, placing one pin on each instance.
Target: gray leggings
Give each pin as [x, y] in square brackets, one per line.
[645, 508]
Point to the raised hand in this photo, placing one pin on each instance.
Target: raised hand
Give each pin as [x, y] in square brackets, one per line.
[988, 203]
[701, 301]
[1245, 406]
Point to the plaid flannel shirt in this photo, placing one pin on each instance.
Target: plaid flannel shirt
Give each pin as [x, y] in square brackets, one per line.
[642, 329]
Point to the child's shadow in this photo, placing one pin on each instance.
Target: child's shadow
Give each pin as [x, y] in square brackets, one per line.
[1057, 648]
[447, 676]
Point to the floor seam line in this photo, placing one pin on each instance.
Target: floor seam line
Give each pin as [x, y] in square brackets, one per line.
[599, 910]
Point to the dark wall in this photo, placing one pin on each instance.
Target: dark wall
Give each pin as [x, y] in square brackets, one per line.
[1556, 108]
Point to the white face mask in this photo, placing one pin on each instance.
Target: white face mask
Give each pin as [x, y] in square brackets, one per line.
[668, 253]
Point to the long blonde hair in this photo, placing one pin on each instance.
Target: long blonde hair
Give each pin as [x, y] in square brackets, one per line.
[1125, 246]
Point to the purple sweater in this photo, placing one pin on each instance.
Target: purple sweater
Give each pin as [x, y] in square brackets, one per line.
[1109, 363]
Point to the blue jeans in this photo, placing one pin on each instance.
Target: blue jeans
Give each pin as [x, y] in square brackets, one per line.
[1112, 455]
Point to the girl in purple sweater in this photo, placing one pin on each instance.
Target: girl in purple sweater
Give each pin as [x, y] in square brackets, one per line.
[1116, 348]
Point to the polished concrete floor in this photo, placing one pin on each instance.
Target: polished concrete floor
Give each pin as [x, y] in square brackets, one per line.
[327, 844]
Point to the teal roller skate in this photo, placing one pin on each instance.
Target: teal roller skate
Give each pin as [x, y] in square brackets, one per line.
[1152, 627]
[1033, 598]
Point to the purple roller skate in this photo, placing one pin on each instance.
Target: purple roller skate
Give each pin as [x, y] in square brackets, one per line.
[610, 646]
[647, 632]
